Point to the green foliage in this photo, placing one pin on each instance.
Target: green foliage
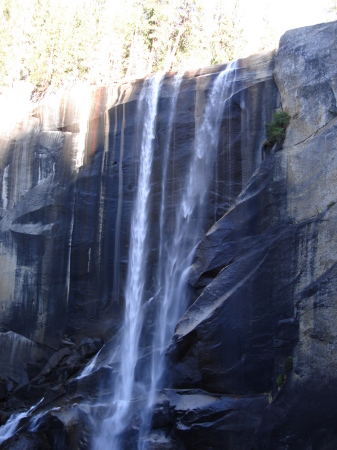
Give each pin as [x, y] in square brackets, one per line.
[287, 368]
[280, 379]
[59, 42]
[288, 364]
[332, 9]
[226, 36]
[276, 129]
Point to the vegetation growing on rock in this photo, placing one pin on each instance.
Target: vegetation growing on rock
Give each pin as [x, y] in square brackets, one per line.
[59, 42]
[287, 368]
[276, 129]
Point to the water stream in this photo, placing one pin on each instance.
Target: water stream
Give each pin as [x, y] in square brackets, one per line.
[176, 247]
[114, 425]
[8, 430]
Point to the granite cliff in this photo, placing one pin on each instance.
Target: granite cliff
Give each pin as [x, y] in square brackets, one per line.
[252, 363]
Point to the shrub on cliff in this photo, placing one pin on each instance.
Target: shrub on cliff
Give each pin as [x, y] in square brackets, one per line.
[276, 129]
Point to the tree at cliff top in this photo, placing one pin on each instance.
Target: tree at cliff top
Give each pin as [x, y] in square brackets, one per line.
[333, 9]
[57, 42]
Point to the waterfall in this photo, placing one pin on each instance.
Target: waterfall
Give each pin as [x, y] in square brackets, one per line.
[176, 254]
[8, 430]
[114, 425]
[189, 217]
[166, 151]
[5, 188]
[177, 240]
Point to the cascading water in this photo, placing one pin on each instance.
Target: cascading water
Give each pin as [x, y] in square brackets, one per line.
[9, 429]
[176, 254]
[163, 254]
[162, 241]
[114, 425]
[176, 247]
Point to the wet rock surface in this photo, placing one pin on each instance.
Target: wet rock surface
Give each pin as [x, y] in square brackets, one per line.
[264, 269]
[252, 363]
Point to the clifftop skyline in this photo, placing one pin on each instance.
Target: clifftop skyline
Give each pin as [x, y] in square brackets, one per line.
[104, 42]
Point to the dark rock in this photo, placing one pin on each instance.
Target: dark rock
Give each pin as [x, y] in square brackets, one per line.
[3, 389]
[306, 77]
[89, 347]
[25, 441]
[17, 353]
[252, 361]
[287, 333]
[55, 360]
[158, 441]
[206, 420]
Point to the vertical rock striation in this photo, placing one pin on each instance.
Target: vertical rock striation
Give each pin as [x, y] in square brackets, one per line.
[252, 362]
[264, 322]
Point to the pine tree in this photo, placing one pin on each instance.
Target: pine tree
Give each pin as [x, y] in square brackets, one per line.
[59, 42]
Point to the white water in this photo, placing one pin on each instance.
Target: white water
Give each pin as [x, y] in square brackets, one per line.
[133, 320]
[176, 247]
[90, 368]
[176, 254]
[163, 204]
[8, 430]
[5, 188]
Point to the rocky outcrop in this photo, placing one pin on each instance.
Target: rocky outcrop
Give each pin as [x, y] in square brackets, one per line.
[252, 363]
[65, 231]
[267, 267]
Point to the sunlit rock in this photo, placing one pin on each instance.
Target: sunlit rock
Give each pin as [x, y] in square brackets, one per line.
[252, 361]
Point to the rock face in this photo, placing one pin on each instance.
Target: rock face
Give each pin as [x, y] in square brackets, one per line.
[252, 363]
[273, 258]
